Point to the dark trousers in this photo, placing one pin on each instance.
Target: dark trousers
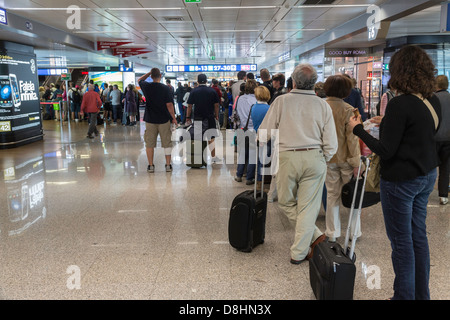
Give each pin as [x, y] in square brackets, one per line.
[117, 113]
[444, 168]
[92, 124]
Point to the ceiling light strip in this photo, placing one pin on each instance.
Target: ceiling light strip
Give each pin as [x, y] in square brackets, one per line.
[332, 6]
[144, 9]
[240, 7]
[44, 9]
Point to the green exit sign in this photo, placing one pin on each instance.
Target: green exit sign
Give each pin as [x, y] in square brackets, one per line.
[192, 1]
[66, 76]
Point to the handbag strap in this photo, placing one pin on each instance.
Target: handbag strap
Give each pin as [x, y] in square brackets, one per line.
[248, 119]
[430, 107]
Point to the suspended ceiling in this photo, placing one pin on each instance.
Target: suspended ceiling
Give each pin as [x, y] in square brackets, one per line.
[233, 31]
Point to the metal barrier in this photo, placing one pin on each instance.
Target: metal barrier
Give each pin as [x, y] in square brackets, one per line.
[61, 118]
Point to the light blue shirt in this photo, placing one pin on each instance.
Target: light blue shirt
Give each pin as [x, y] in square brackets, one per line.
[115, 97]
[259, 111]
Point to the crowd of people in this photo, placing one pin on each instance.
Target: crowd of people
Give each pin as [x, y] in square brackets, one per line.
[118, 107]
[319, 134]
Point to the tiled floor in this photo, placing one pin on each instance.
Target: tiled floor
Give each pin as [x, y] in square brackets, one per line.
[83, 219]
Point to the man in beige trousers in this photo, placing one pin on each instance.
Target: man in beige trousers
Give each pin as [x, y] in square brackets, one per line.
[306, 141]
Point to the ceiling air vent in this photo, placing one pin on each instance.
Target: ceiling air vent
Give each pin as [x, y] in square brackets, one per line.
[313, 2]
[185, 37]
[173, 19]
[272, 41]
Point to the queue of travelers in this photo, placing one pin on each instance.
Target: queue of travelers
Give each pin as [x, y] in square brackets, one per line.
[319, 138]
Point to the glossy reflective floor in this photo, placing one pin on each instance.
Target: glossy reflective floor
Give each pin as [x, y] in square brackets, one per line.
[82, 219]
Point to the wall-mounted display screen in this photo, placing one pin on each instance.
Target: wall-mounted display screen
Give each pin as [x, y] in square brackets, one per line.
[212, 68]
[109, 77]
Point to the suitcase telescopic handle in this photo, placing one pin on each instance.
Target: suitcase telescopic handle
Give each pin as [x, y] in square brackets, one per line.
[256, 169]
[365, 160]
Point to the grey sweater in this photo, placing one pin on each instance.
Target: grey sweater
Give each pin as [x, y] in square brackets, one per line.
[443, 133]
[303, 120]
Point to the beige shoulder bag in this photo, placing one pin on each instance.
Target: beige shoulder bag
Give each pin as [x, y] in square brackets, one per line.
[430, 107]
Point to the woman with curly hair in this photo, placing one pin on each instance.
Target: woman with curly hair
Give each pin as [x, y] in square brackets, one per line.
[407, 150]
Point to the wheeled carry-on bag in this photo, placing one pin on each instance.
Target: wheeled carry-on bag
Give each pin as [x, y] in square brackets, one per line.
[247, 221]
[196, 146]
[332, 268]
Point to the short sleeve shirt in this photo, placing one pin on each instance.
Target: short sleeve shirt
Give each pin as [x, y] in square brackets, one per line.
[157, 95]
[203, 98]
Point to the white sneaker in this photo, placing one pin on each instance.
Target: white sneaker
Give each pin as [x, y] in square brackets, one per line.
[444, 200]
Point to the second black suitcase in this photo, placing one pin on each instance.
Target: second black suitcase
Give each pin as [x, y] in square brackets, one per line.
[332, 269]
[331, 272]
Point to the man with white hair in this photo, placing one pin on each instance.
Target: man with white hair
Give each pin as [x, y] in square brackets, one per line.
[306, 141]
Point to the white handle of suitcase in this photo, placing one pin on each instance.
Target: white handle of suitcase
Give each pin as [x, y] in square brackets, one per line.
[352, 208]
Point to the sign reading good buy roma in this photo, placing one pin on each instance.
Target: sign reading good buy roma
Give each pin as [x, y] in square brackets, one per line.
[347, 52]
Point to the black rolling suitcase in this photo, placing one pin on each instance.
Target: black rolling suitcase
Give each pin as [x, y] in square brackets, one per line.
[197, 145]
[332, 268]
[247, 221]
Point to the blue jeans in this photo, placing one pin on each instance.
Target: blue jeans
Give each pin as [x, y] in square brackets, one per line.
[181, 109]
[246, 156]
[405, 211]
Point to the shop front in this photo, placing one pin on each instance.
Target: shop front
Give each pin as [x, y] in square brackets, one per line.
[365, 65]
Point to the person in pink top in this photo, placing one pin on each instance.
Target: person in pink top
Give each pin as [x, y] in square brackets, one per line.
[91, 104]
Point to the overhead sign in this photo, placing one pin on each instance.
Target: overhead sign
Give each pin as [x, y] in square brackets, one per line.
[349, 52]
[128, 52]
[192, 1]
[212, 68]
[445, 21]
[101, 45]
[122, 68]
[51, 72]
[285, 56]
[3, 17]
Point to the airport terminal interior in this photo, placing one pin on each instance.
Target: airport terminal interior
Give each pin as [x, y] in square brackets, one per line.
[81, 218]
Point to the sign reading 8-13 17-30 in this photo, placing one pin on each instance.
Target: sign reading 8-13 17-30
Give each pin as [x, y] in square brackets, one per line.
[212, 68]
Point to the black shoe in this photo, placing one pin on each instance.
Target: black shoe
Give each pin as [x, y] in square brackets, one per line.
[297, 262]
[90, 136]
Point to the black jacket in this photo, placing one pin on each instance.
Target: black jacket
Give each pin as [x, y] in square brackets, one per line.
[407, 145]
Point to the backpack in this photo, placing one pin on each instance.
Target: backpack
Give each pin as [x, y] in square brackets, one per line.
[76, 97]
[47, 95]
[235, 120]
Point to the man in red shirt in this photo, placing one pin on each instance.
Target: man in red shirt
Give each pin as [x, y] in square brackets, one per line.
[91, 104]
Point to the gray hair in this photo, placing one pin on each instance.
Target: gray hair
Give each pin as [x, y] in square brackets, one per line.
[304, 76]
